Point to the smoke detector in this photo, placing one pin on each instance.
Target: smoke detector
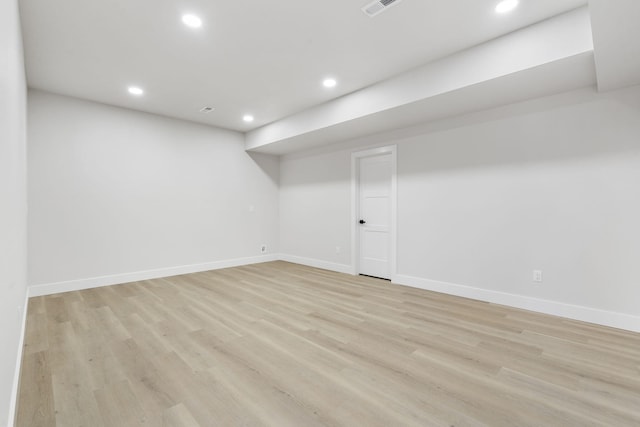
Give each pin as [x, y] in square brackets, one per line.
[206, 110]
[378, 6]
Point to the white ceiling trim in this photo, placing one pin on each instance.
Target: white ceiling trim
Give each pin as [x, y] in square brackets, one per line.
[564, 75]
[565, 36]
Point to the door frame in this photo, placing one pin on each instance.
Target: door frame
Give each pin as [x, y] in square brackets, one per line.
[355, 205]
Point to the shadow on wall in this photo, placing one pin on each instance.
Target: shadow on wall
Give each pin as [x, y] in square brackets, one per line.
[571, 126]
[269, 164]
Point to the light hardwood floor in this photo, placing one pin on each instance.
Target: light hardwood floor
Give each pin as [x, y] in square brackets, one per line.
[279, 344]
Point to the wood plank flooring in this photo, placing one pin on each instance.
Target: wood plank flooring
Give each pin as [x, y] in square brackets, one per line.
[279, 344]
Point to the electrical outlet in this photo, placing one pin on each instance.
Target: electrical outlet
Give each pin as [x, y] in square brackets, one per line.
[338, 249]
[537, 276]
[263, 249]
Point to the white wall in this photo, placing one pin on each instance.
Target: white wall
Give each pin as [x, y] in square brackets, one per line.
[114, 192]
[315, 199]
[13, 202]
[483, 200]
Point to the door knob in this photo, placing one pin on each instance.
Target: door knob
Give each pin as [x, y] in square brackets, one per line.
[362, 221]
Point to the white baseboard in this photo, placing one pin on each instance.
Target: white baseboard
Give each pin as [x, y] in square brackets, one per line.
[576, 312]
[96, 282]
[16, 376]
[318, 263]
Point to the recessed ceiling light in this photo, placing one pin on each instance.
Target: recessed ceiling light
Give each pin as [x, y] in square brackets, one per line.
[247, 118]
[135, 90]
[329, 82]
[192, 21]
[506, 6]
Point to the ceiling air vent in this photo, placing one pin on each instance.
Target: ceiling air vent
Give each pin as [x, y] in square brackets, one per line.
[378, 6]
[206, 110]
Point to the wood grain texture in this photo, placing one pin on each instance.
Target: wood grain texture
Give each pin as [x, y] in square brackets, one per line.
[278, 344]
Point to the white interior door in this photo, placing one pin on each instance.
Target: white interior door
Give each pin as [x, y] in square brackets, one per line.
[374, 219]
